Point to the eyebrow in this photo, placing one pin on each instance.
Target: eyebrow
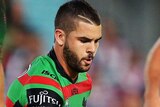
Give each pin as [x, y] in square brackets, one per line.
[89, 38]
[99, 38]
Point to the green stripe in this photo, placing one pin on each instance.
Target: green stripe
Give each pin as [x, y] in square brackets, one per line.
[78, 99]
[15, 92]
[82, 77]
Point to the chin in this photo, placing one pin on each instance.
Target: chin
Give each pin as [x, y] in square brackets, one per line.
[83, 68]
[86, 69]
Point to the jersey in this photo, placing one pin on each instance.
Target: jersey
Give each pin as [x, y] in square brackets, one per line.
[45, 84]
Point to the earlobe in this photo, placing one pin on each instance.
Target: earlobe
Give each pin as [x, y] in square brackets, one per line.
[60, 36]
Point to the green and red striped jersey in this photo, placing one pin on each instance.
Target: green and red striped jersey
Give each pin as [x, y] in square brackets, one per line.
[45, 84]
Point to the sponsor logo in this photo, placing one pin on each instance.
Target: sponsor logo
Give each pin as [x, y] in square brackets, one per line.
[42, 98]
[74, 91]
[48, 74]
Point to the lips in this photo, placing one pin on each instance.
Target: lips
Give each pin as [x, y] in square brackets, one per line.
[88, 61]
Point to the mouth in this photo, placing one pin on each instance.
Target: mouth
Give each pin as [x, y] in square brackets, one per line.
[88, 61]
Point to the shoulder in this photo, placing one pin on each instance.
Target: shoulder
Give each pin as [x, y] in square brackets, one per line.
[39, 74]
[39, 79]
[41, 71]
[42, 66]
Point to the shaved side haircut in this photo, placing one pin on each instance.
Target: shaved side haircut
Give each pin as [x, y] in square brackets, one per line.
[73, 11]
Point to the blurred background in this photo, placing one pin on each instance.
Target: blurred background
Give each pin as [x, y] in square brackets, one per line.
[130, 27]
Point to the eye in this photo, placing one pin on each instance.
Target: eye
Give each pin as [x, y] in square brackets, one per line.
[84, 40]
[96, 41]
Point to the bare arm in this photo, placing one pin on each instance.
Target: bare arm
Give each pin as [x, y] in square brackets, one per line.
[152, 77]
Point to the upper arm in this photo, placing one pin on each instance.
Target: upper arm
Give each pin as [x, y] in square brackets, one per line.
[34, 94]
[13, 94]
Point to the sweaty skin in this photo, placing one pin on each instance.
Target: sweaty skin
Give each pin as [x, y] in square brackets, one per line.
[152, 77]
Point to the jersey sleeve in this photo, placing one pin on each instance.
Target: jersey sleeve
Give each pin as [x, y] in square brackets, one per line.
[35, 93]
[35, 89]
[12, 99]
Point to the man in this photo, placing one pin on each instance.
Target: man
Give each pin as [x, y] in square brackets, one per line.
[2, 33]
[60, 79]
[152, 77]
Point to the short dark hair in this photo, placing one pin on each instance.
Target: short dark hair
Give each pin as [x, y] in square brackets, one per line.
[74, 10]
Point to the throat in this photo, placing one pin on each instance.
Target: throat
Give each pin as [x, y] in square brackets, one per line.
[72, 75]
[74, 78]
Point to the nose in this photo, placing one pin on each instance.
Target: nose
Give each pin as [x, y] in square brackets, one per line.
[91, 47]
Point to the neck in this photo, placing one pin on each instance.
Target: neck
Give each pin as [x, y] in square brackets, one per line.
[59, 54]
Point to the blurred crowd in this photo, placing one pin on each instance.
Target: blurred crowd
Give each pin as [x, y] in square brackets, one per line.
[117, 71]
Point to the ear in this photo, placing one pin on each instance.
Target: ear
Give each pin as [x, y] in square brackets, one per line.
[60, 36]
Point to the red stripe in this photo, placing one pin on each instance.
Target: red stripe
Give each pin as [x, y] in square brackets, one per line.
[9, 102]
[82, 87]
[26, 79]
[23, 79]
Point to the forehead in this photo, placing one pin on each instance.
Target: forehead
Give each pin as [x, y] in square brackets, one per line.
[88, 30]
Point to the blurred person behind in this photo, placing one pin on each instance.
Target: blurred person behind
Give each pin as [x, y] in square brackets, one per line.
[117, 51]
[112, 63]
[2, 34]
[21, 45]
[133, 82]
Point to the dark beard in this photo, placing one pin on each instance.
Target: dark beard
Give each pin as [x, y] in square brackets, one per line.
[72, 60]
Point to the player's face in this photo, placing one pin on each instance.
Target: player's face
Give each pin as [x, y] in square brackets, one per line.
[81, 46]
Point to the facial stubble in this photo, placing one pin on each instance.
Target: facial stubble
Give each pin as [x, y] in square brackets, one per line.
[72, 60]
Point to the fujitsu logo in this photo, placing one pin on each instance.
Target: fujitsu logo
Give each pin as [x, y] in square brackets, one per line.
[43, 97]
